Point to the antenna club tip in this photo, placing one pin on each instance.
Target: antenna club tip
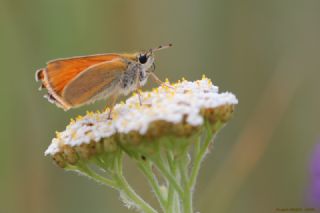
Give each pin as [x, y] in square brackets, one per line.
[161, 47]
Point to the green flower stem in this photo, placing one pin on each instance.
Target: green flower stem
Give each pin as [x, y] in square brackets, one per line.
[183, 164]
[168, 175]
[146, 168]
[126, 188]
[85, 170]
[172, 198]
[177, 206]
[196, 164]
[187, 197]
[200, 152]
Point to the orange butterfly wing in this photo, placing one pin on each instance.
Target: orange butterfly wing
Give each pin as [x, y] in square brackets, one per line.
[60, 72]
[96, 82]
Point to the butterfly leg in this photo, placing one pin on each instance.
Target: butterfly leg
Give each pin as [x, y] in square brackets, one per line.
[138, 88]
[112, 103]
[139, 96]
[158, 81]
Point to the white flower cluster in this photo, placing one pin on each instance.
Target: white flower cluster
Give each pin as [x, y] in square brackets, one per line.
[172, 104]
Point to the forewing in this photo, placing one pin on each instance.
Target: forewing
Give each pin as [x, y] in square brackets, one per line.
[61, 71]
[93, 81]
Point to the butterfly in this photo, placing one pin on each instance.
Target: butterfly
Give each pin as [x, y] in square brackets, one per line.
[76, 81]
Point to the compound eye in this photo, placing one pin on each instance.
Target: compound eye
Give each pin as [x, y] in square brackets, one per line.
[143, 59]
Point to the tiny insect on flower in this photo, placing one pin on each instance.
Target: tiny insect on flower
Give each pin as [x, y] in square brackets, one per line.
[73, 82]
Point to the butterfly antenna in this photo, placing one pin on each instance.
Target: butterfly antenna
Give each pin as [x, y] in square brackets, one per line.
[161, 47]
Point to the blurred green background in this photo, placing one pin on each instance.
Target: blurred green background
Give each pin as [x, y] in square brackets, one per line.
[266, 52]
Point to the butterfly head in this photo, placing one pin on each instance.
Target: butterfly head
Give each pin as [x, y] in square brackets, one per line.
[146, 58]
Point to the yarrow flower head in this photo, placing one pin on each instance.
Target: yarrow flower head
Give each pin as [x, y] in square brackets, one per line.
[170, 119]
[177, 111]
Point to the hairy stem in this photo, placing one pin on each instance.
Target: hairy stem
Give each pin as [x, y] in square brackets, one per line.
[146, 168]
[128, 190]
